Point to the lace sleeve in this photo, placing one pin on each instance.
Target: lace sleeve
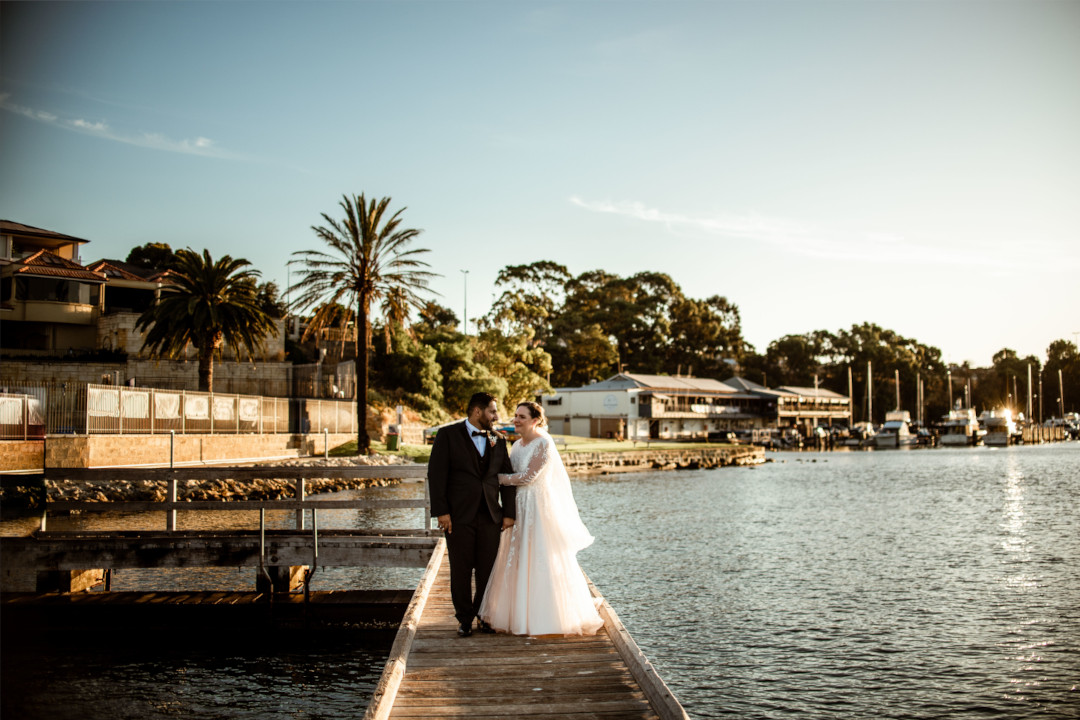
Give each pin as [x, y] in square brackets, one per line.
[537, 462]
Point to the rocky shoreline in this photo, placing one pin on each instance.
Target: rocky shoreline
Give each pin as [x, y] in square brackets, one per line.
[21, 497]
[14, 496]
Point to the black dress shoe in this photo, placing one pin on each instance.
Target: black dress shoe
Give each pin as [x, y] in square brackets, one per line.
[464, 630]
[485, 628]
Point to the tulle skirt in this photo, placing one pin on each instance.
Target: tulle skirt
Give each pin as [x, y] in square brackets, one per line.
[536, 586]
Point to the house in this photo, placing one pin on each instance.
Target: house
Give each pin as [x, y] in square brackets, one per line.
[49, 303]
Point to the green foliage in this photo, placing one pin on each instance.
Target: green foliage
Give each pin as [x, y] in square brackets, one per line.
[153, 256]
[206, 305]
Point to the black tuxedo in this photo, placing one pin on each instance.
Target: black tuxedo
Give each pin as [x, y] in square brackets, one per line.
[465, 486]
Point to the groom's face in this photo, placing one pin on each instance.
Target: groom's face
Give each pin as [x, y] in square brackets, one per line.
[489, 416]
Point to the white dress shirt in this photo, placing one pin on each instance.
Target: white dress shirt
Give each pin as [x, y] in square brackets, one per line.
[480, 441]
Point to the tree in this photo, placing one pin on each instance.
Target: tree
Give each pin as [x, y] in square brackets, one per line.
[207, 304]
[1062, 355]
[153, 256]
[370, 261]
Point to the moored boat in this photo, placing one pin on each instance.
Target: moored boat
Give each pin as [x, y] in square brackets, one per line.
[999, 426]
[961, 427]
[896, 432]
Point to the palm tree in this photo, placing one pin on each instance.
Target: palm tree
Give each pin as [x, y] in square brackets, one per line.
[206, 305]
[370, 261]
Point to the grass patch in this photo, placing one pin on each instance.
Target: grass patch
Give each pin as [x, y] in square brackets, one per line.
[416, 453]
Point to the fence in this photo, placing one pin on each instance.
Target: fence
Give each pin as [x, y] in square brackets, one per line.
[20, 417]
[84, 408]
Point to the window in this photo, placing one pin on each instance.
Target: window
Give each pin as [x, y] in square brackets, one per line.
[554, 401]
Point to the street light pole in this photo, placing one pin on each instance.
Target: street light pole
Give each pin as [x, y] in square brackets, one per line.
[465, 302]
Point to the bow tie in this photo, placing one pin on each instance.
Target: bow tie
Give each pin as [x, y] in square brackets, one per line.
[479, 432]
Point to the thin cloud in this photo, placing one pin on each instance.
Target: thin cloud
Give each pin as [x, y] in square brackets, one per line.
[201, 146]
[801, 238]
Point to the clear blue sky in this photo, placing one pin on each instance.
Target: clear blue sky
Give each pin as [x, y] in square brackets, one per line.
[913, 164]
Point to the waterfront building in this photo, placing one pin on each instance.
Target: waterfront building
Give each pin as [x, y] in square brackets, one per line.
[802, 408]
[662, 407]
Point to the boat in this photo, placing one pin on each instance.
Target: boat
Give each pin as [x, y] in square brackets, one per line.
[862, 435]
[961, 427]
[896, 432]
[999, 426]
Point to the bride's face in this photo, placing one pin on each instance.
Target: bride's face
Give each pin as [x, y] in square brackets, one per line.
[523, 421]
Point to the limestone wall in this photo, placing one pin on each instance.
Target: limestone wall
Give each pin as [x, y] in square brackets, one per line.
[79, 451]
[21, 455]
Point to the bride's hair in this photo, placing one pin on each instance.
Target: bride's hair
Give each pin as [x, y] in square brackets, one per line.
[536, 411]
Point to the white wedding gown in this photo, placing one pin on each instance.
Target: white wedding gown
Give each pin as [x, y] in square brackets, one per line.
[536, 586]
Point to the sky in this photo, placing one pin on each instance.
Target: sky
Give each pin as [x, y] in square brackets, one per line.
[820, 164]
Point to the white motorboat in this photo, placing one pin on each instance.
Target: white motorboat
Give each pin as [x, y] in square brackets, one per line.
[896, 432]
[999, 426]
[961, 427]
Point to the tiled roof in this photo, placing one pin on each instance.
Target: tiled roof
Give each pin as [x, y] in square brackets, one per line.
[44, 264]
[123, 271]
[13, 228]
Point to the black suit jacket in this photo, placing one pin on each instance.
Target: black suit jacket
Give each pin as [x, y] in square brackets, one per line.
[460, 483]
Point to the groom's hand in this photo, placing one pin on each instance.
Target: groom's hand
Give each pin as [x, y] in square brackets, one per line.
[444, 523]
[508, 523]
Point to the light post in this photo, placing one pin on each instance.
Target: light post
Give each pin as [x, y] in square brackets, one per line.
[465, 301]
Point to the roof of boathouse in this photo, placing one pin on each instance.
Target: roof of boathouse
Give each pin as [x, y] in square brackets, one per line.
[818, 392]
[666, 383]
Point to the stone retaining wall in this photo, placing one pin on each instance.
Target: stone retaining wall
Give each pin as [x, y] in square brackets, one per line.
[83, 451]
[669, 459]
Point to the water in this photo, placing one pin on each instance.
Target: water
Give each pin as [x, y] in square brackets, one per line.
[902, 584]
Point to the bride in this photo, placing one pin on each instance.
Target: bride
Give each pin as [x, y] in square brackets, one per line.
[536, 586]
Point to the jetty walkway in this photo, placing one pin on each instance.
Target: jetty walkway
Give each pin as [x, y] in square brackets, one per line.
[432, 673]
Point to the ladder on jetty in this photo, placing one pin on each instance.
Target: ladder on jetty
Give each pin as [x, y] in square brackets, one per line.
[432, 673]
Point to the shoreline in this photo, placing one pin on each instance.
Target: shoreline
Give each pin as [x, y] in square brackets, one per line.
[17, 498]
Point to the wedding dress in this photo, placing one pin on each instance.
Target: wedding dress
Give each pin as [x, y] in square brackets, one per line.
[536, 586]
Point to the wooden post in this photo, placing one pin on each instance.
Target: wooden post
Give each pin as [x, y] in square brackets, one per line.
[300, 495]
[170, 512]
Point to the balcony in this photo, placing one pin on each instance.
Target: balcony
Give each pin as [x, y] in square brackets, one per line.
[50, 311]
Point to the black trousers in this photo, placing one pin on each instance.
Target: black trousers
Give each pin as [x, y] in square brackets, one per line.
[472, 547]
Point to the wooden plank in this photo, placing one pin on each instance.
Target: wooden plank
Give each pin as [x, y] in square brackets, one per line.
[382, 700]
[522, 709]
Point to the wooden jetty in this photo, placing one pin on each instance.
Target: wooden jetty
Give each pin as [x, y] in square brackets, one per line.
[432, 673]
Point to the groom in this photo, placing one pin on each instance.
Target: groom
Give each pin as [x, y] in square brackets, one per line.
[466, 460]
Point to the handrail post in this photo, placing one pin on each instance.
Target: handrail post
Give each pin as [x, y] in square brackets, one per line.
[426, 524]
[326, 443]
[300, 495]
[170, 512]
[172, 447]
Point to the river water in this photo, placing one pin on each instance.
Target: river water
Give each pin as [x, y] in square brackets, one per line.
[902, 584]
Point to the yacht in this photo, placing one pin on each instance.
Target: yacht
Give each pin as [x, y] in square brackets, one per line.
[961, 428]
[862, 435]
[896, 432]
[999, 426]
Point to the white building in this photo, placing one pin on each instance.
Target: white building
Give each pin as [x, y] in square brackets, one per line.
[643, 407]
